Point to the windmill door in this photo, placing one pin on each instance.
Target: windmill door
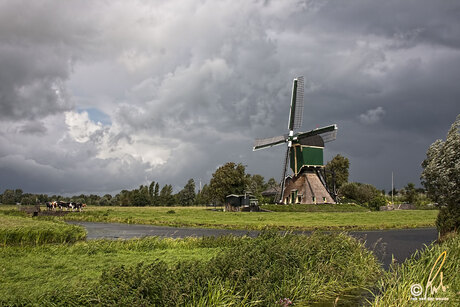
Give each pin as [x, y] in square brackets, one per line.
[293, 196]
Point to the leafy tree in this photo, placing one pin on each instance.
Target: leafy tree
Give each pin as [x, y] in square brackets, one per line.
[152, 190]
[28, 200]
[339, 165]
[156, 195]
[8, 197]
[363, 194]
[271, 183]
[395, 192]
[227, 179]
[18, 195]
[166, 195]
[256, 185]
[105, 200]
[42, 198]
[140, 197]
[410, 193]
[186, 197]
[203, 197]
[441, 178]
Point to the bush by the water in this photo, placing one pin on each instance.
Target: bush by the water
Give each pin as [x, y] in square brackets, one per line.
[448, 219]
[17, 229]
[256, 272]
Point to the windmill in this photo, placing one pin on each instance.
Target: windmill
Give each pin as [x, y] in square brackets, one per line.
[304, 153]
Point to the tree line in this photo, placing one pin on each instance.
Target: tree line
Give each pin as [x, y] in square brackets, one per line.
[231, 178]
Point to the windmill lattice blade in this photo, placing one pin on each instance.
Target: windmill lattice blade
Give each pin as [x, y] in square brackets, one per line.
[298, 115]
[327, 133]
[329, 136]
[269, 142]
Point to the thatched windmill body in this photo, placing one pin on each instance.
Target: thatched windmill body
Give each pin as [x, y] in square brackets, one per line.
[304, 153]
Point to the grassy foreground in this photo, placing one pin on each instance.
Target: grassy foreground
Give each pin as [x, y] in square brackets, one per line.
[189, 272]
[207, 218]
[394, 289]
[30, 274]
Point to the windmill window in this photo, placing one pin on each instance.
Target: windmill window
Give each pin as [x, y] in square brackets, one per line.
[324, 199]
[299, 198]
[314, 200]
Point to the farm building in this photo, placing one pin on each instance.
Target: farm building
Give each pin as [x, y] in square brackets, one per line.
[236, 203]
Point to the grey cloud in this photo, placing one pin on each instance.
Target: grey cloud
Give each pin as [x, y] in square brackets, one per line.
[372, 116]
[204, 80]
[35, 127]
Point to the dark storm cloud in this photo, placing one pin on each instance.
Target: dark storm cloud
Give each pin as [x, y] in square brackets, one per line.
[186, 87]
[35, 59]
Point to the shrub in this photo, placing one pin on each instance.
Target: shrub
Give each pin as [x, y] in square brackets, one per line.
[360, 192]
[448, 220]
[376, 202]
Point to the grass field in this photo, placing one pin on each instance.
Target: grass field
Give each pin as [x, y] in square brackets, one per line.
[191, 272]
[56, 267]
[207, 218]
[316, 208]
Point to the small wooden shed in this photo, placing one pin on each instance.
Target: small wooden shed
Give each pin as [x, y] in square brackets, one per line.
[236, 203]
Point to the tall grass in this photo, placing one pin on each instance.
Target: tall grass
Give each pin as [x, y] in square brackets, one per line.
[254, 272]
[394, 288]
[46, 268]
[24, 230]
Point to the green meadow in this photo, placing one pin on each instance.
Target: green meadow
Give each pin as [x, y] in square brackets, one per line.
[209, 218]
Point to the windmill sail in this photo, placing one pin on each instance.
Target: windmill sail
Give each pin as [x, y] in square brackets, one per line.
[296, 114]
[269, 142]
[328, 133]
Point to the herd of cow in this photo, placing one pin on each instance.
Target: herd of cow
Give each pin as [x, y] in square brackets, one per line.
[63, 205]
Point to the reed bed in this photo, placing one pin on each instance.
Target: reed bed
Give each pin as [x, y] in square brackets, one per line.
[394, 288]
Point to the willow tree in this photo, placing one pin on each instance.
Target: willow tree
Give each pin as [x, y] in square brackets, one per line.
[441, 178]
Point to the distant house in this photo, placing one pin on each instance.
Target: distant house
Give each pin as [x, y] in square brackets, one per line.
[236, 203]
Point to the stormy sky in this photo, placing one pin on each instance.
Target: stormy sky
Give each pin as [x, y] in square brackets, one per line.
[100, 96]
